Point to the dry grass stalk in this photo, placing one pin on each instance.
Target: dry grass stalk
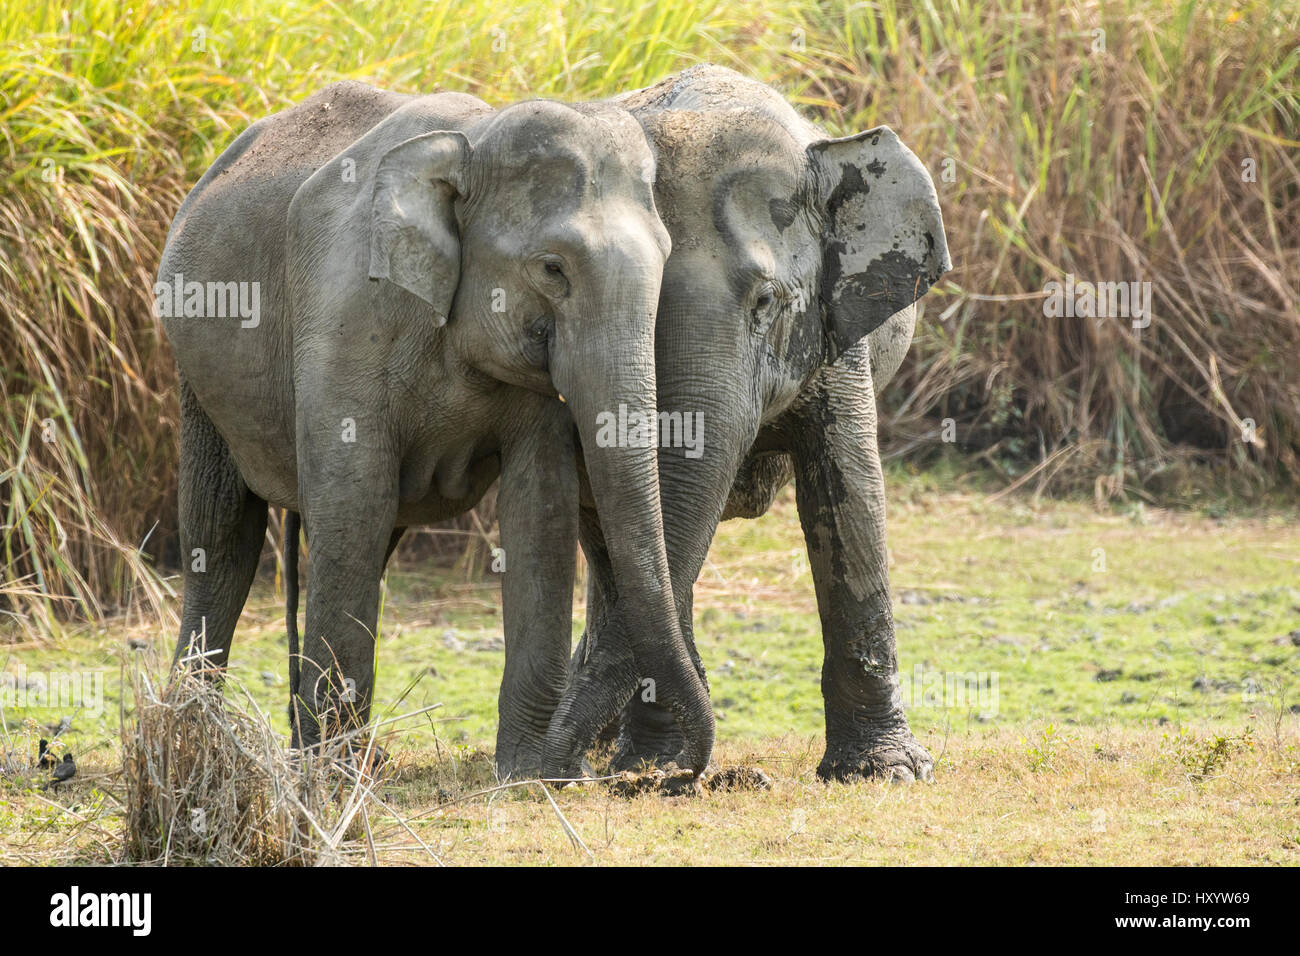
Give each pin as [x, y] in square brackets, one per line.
[208, 781]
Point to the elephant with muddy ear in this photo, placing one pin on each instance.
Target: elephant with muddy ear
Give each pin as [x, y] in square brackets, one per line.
[422, 283]
[786, 303]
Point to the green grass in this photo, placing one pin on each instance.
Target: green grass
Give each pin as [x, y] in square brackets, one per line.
[1189, 621]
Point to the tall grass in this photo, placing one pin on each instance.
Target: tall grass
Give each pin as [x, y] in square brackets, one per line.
[1113, 164]
[1106, 140]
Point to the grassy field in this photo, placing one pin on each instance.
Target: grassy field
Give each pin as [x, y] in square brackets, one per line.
[1124, 682]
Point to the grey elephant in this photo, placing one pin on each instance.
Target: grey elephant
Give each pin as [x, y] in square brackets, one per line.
[379, 304]
[787, 302]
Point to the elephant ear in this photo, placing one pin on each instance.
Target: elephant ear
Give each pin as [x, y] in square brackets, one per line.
[414, 240]
[883, 243]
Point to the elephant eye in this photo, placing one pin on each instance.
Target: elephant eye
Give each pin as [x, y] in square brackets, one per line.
[549, 276]
[539, 330]
[764, 298]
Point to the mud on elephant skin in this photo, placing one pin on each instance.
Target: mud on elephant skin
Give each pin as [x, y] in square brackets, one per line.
[787, 301]
[432, 280]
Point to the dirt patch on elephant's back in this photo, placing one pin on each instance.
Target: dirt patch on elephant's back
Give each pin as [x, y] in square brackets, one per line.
[309, 133]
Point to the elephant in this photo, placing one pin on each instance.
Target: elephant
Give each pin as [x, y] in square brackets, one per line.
[788, 300]
[379, 304]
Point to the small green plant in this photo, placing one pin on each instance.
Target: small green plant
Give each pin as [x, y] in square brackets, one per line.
[1042, 754]
[1205, 757]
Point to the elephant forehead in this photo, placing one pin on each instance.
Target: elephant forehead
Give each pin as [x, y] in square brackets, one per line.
[747, 197]
[760, 217]
[586, 140]
[523, 154]
[708, 144]
[558, 173]
[736, 170]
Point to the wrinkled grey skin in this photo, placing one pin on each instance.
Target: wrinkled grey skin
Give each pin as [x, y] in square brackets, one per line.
[786, 302]
[432, 272]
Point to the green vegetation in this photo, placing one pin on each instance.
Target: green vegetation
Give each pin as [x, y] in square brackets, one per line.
[1029, 617]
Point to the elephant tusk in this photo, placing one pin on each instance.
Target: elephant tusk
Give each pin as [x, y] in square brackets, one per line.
[559, 396]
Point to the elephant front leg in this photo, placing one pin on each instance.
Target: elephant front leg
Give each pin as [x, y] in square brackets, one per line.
[349, 498]
[841, 501]
[644, 733]
[537, 509]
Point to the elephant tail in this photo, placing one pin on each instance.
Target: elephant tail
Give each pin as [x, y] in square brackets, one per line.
[292, 522]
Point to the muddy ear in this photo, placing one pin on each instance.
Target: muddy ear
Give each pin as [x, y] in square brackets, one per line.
[414, 238]
[883, 244]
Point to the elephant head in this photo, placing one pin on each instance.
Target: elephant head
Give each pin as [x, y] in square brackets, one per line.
[533, 236]
[788, 248]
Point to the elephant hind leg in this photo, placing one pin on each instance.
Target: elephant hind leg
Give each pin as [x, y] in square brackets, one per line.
[222, 526]
[757, 484]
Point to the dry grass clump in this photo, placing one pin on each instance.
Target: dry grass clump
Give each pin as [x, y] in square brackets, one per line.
[208, 781]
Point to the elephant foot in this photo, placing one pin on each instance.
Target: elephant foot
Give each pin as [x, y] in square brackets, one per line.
[893, 755]
[508, 770]
[630, 758]
[518, 760]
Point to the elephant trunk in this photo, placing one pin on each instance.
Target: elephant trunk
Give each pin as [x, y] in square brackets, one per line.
[606, 372]
[697, 378]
